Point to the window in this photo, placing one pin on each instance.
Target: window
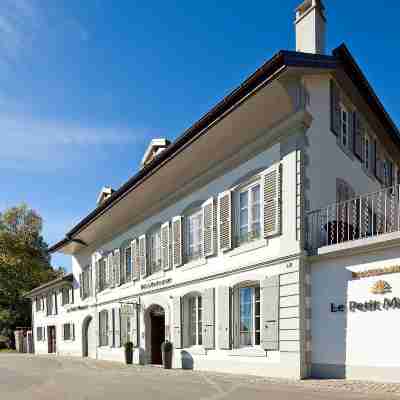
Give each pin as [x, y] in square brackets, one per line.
[103, 274]
[39, 304]
[195, 319]
[249, 213]
[155, 251]
[103, 328]
[194, 234]
[249, 316]
[388, 172]
[86, 282]
[51, 304]
[128, 263]
[344, 131]
[66, 295]
[68, 331]
[40, 334]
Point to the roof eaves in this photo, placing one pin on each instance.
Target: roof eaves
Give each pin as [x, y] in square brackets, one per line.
[65, 278]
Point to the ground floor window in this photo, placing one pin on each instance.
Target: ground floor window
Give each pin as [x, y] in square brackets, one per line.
[103, 328]
[68, 331]
[40, 333]
[195, 321]
[247, 315]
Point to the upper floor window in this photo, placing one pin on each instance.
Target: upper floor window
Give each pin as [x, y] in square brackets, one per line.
[103, 328]
[127, 254]
[51, 304]
[247, 315]
[344, 129]
[102, 274]
[154, 243]
[66, 295]
[39, 303]
[194, 234]
[249, 213]
[86, 282]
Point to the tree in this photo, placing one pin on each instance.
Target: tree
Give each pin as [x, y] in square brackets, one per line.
[24, 265]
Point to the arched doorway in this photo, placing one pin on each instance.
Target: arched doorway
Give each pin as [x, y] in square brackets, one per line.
[155, 333]
[88, 338]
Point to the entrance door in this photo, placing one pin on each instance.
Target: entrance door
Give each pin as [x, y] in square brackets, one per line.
[157, 336]
[89, 338]
[51, 339]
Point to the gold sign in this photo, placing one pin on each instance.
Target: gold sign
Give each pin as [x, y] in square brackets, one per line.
[381, 287]
[376, 272]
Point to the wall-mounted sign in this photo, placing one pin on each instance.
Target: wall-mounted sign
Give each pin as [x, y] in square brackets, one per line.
[376, 272]
[372, 305]
[77, 308]
[381, 287]
[155, 284]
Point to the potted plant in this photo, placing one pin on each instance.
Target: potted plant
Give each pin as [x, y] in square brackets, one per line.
[166, 349]
[128, 352]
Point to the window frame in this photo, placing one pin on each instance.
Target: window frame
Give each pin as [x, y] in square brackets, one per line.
[70, 336]
[154, 267]
[248, 188]
[189, 254]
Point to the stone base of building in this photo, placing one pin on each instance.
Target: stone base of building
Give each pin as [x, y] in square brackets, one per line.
[365, 373]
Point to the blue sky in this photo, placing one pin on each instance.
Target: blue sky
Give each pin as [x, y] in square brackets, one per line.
[85, 85]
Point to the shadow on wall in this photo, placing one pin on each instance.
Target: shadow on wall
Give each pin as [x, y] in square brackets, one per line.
[187, 360]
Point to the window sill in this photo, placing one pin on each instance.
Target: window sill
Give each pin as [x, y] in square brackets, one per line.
[250, 246]
[196, 350]
[255, 351]
[193, 264]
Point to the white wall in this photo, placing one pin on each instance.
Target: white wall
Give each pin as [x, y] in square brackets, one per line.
[363, 345]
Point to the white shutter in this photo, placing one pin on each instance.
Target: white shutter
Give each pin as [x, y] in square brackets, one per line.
[165, 246]
[97, 272]
[117, 267]
[177, 328]
[225, 220]
[270, 313]
[135, 260]
[223, 317]
[142, 256]
[110, 328]
[110, 268]
[235, 317]
[208, 227]
[177, 241]
[208, 318]
[135, 326]
[117, 318]
[272, 200]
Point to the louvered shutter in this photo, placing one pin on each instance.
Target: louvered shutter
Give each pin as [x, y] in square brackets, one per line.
[335, 108]
[80, 286]
[358, 131]
[270, 313]
[351, 131]
[97, 273]
[110, 328]
[110, 270]
[208, 318]
[122, 266]
[235, 317]
[208, 227]
[135, 260]
[223, 317]
[117, 266]
[135, 326]
[225, 220]
[142, 256]
[165, 264]
[177, 328]
[186, 321]
[177, 241]
[117, 325]
[272, 201]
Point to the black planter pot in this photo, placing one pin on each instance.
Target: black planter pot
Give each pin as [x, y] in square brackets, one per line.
[128, 353]
[166, 349]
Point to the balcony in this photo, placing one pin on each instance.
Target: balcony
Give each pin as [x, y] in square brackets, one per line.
[366, 216]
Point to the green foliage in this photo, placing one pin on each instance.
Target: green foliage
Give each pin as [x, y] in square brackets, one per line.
[24, 265]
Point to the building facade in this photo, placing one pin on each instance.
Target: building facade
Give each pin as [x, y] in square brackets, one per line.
[233, 254]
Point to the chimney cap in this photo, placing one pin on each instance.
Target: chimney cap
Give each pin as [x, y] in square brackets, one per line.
[307, 5]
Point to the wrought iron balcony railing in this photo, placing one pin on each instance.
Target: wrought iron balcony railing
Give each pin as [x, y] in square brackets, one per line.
[362, 217]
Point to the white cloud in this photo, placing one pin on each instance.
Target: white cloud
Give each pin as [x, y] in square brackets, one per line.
[30, 144]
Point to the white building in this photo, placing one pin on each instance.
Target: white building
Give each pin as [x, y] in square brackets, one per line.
[221, 251]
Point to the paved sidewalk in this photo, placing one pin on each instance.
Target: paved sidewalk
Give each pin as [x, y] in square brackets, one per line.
[40, 378]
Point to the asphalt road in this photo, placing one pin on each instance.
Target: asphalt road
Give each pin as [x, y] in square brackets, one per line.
[26, 377]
